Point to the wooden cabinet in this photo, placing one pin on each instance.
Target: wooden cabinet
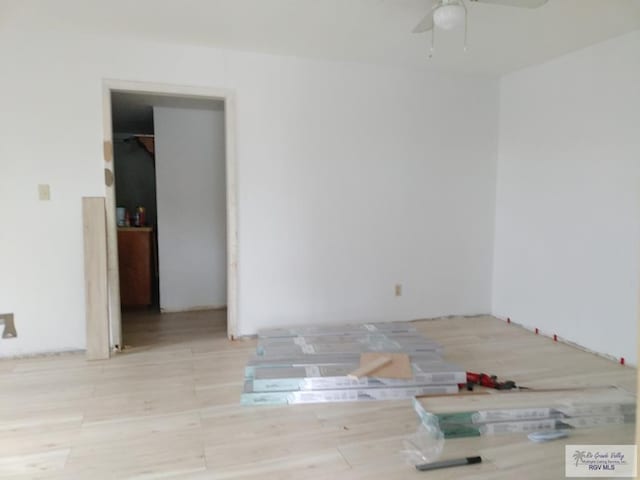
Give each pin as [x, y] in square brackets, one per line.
[135, 254]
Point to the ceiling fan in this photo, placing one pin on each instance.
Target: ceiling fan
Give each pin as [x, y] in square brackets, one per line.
[448, 14]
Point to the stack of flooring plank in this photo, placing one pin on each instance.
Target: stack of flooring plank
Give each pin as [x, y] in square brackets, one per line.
[311, 364]
[529, 411]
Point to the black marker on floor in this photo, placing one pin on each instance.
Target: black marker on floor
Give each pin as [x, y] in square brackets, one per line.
[448, 463]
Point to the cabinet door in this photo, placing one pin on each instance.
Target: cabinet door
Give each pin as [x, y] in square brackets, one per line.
[134, 259]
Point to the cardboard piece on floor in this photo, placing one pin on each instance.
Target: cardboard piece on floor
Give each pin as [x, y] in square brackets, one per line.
[400, 366]
[370, 368]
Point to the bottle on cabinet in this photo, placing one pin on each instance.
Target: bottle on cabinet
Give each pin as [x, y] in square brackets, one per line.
[140, 217]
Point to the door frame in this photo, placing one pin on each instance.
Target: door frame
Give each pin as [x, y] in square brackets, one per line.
[113, 280]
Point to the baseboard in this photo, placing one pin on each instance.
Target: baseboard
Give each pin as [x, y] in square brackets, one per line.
[197, 308]
[52, 353]
[558, 338]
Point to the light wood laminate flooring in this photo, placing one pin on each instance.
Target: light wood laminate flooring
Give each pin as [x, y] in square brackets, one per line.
[168, 407]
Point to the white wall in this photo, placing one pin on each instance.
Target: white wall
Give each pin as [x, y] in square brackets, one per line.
[351, 178]
[568, 197]
[191, 194]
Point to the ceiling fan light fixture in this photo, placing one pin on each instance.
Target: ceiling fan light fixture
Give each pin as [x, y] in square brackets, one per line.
[449, 16]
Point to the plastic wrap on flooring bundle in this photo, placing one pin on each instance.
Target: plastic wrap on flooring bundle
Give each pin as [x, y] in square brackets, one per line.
[324, 360]
[459, 430]
[316, 377]
[250, 397]
[311, 364]
[357, 344]
[353, 395]
[353, 329]
[531, 419]
[361, 338]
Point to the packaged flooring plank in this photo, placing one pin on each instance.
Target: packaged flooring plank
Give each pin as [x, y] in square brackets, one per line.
[366, 394]
[251, 397]
[267, 350]
[555, 415]
[312, 364]
[350, 329]
[316, 377]
[322, 360]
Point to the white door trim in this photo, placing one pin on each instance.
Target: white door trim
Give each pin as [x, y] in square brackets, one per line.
[113, 281]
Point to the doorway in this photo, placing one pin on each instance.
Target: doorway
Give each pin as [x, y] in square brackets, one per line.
[134, 165]
[172, 207]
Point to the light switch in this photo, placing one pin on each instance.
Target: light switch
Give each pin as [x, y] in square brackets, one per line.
[44, 192]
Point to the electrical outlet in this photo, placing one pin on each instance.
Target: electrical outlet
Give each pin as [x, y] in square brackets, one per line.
[398, 290]
[44, 192]
[9, 330]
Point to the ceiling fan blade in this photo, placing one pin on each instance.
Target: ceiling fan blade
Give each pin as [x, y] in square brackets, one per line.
[425, 24]
[514, 3]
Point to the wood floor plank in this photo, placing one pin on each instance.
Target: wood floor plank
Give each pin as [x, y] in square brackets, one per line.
[140, 447]
[34, 463]
[308, 465]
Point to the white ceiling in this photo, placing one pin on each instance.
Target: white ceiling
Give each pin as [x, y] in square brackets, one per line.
[501, 39]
